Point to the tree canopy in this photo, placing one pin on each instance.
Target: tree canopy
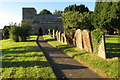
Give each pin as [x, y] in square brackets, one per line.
[80, 8]
[107, 15]
[76, 20]
[77, 16]
[45, 11]
[57, 12]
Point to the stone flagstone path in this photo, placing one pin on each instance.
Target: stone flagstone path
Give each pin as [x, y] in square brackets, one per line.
[63, 65]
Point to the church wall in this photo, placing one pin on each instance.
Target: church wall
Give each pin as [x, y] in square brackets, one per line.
[42, 21]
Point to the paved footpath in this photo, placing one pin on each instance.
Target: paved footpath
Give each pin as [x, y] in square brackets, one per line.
[63, 65]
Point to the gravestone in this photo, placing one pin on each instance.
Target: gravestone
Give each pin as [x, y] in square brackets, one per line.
[53, 34]
[62, 37]
[65, 40]
[102, 48]
[78, 38]
[87, 40]
[59, 36]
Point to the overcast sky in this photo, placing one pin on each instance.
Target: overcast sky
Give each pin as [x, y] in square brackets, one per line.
[12, 11]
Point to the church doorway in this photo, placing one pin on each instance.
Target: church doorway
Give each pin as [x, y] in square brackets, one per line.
[40, 32]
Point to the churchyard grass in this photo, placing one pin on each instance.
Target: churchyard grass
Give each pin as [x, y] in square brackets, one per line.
[24, 60]
[105, 67]
[112, 45]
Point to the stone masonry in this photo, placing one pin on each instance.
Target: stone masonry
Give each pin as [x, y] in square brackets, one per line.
[43, 21]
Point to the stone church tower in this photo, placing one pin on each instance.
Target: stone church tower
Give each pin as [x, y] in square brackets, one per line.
[41, 21]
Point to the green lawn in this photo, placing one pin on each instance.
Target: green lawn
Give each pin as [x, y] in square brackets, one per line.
[107, 68]
[112, 45]
[24, 60]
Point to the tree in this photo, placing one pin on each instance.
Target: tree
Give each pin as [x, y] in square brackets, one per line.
[58, 12]
[80, 8]
[115, 16]
[24, 31]
[45, 11]
[74, 17]
[77, 20]
[107, 16]
[74, 20]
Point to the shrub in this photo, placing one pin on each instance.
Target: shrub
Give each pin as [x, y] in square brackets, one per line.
[20, 33]
[69, 36]
[14, 33]
[96, 37]
[24, 31]
[5, 32]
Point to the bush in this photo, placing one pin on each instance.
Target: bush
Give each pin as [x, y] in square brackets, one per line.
[24, 31]
[69, 36]
[20, 33]
[14, 33]
[5, 32]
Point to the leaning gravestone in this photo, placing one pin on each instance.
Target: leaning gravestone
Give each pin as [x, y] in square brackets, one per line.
[87, 40]
[78, 38]
[102, 48]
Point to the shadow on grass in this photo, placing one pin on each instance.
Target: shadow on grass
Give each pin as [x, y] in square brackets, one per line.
[21, 50]
[112, 36]
[30, 41]
[63, 47]
[49, 40]
[39, 64]
[112, 50]
[70, 49]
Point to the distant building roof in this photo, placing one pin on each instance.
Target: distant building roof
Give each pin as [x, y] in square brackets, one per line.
[47, 21]
[57, 15]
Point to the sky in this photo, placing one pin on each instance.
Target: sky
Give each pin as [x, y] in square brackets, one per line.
[12, 11]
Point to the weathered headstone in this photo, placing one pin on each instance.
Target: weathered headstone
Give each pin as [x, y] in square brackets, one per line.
[87, 40]
[102, 48]
[78, 38]
[74, 43]
[65, 41]
[59, 35]
[62, 36]
[53, 33]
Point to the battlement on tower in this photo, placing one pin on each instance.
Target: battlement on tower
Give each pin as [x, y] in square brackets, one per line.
[28, 14]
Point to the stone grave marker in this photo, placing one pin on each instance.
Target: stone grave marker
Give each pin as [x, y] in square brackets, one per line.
[78, 38]
[102, 48]
[59, 36]
[53, 33]
[87, 40]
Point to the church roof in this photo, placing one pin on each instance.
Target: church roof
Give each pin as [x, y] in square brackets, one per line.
[57, 15]
[46, 21]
